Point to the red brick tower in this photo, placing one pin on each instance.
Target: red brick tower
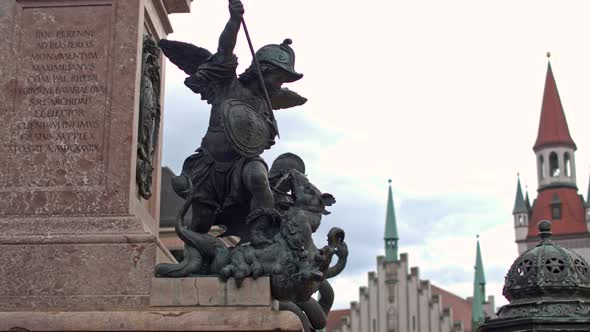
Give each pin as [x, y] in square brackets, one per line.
[557, 199]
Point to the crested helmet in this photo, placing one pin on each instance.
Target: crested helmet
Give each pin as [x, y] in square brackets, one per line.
[281, 56]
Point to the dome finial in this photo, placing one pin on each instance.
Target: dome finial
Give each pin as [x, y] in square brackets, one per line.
[544, 229]
[389, 181]
[548, 54]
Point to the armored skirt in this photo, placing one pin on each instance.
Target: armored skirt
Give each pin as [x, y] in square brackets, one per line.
[211, 182]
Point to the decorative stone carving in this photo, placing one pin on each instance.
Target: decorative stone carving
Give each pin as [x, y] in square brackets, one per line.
[149, 116]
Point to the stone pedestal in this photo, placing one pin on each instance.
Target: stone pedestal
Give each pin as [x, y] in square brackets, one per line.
[181, 304]
[78, 243]
[74, 233]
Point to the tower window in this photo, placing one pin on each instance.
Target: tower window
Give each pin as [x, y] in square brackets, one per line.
[556, 212]
[553, 165]
[542, 167]
[555, 207]
[567, 164]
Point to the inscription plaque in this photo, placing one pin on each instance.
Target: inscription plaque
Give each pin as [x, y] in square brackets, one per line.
[55, 133]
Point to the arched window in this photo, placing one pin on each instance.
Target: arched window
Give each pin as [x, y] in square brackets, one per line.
[542, 167]
[567, 164]
[553, 164]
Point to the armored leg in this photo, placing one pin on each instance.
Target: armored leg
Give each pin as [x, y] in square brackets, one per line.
[255, 178]
[203, 217]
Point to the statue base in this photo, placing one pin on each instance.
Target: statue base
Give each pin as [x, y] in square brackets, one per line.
[176, 304]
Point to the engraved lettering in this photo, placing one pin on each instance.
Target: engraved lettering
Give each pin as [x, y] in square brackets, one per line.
[62, 96]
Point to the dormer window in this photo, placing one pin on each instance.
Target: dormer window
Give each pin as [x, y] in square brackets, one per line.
[556, 212]
[555, 207]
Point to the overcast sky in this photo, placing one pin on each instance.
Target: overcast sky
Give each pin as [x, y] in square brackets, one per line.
[443, 97]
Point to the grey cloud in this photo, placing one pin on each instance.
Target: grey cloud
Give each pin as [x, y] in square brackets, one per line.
[419, 218]
[185, 122]
[186, 119]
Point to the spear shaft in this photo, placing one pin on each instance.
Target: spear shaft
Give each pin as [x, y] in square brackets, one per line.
[261, 79]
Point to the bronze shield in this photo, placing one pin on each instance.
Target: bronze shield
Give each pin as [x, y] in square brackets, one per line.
[245, 128]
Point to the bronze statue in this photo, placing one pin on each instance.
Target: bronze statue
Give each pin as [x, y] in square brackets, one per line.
[226, 182]
[226, 177]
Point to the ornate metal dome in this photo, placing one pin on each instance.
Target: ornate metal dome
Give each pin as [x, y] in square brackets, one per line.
[547, 280]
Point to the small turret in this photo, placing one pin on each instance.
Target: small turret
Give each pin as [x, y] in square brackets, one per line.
[521, 214]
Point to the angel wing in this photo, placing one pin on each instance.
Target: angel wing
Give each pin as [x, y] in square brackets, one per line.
[286, 98]
[185, 56]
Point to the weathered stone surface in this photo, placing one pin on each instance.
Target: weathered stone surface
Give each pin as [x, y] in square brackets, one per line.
[203, 319]
[178, 6]
[209, 291]
[252, 292]
[77, 243]
[69, 95]
[73, 233]
[75, 276]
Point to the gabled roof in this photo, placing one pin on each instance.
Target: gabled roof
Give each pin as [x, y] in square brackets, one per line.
[460, 306]
[553, 129]
[335, 319]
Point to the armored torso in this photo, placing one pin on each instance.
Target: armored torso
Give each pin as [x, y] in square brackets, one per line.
[237, 125]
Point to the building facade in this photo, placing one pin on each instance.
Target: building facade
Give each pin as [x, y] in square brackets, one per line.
[397, 300]
[557, 198]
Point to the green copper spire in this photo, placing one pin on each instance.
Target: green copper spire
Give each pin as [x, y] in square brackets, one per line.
[390, 230]
[527, 201]
[479, 291]
[519, 204]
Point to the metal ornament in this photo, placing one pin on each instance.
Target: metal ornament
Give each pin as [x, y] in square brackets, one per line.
[149, 116]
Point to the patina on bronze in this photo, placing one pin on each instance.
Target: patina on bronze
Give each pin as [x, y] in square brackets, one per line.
[548, 288]
[149, 116]
[245, 129]
[226, 182]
